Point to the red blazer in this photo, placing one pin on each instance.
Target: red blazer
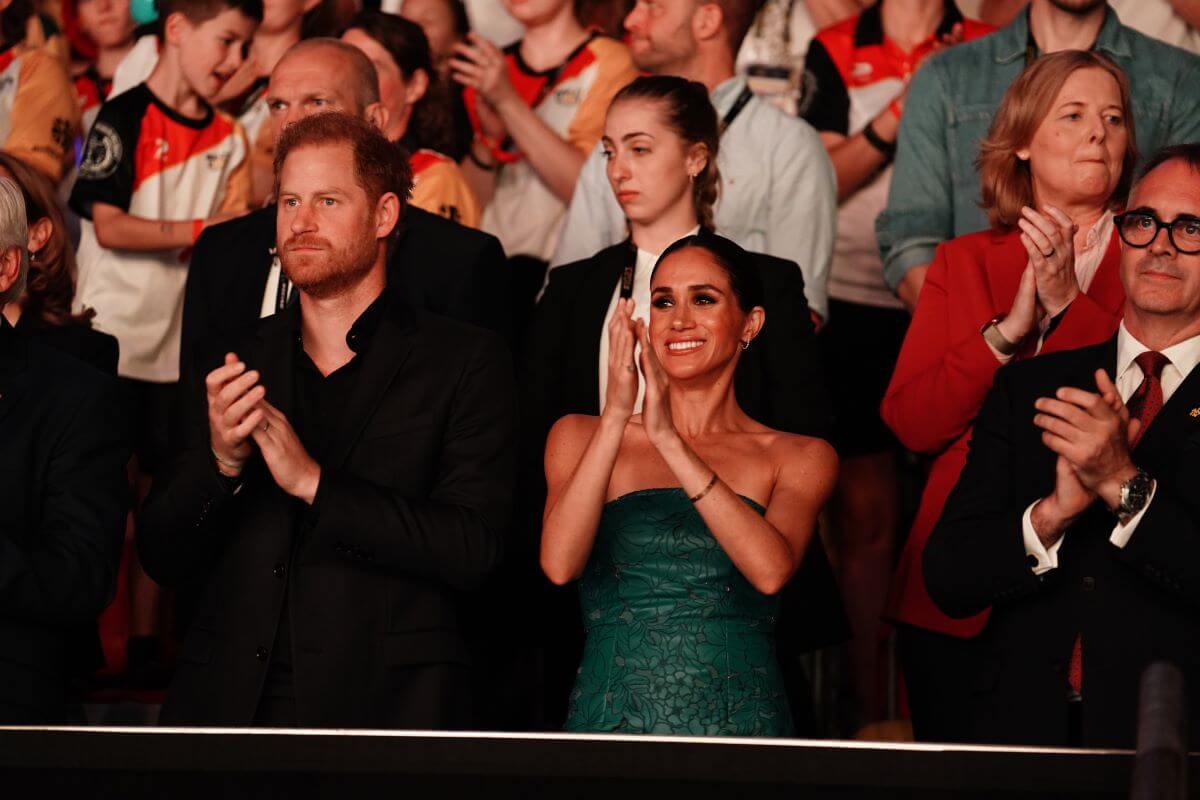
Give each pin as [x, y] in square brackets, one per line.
[945, 369]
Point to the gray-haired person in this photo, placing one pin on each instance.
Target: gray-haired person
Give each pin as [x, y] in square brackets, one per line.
[62, 503]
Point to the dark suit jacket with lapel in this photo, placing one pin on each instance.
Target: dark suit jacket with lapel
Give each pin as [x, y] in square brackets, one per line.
[411, 510]
[437, 265]
[62, 519]
[1131, 606]
[779, 382]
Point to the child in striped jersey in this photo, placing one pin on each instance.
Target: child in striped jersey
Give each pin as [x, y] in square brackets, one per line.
[158, 165]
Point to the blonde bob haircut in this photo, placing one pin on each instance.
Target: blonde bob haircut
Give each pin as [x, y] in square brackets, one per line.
[1005, 179]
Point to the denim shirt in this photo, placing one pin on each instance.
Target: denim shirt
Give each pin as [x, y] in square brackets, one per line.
[778, 194]
[935, 188]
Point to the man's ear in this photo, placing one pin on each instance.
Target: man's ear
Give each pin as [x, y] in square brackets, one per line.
[708, 21]
[10, 268]
[387, 214]
[377, 115]
[39, 234]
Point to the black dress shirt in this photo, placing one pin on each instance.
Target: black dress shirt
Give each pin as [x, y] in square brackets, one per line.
[320, 402]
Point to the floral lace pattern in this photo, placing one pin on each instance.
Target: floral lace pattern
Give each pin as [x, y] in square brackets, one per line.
[678, 641]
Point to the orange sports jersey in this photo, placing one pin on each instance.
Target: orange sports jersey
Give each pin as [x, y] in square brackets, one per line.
[148, 160]
[38, 111]
[571, 100]
[439, 187]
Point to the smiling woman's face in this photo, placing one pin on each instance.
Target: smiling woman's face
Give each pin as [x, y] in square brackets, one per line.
[1077, 152]
[696, 323]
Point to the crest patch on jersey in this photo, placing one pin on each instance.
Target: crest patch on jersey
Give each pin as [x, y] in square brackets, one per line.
[103, 152]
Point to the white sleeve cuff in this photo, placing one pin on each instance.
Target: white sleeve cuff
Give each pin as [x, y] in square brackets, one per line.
[1123, 532]
[1047, 559]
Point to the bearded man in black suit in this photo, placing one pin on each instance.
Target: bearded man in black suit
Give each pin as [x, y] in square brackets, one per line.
[345, 475]
[234, 276]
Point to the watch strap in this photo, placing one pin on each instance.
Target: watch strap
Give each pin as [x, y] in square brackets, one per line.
[993, 336]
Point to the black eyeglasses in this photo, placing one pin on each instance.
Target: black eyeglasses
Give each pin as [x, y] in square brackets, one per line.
[1140, 228]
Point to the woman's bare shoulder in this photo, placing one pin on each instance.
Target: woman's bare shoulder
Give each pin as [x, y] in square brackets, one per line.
[808, 453]
[573, 426]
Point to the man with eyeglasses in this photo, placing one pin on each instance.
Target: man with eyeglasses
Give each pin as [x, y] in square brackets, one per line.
[1077, 517]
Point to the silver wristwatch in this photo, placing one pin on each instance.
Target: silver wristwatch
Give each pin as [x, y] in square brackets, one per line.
[1135, 492]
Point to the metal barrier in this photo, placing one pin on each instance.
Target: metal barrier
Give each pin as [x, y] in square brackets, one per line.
[219, 763]
[1160, 769]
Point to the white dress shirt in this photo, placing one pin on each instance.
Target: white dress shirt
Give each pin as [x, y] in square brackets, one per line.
[1182, 358]
[643, 266]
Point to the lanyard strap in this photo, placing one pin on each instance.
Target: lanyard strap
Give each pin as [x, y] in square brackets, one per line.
[736, 108]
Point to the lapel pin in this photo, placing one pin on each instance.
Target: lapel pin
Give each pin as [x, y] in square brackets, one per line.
[1195, 412]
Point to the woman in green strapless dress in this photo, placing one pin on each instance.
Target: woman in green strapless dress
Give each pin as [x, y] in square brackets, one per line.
[677, 640]
[681, 523]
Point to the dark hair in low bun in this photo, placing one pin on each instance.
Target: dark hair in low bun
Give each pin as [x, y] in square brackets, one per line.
[687, 111]
[737, 264]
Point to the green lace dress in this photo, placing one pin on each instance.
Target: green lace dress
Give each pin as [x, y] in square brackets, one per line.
[678, 641]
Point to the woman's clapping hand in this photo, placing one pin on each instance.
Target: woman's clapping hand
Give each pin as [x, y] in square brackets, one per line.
[621, 394]
[1049, 239]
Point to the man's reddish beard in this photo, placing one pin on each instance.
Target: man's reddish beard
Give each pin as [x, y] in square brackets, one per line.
[331, 270]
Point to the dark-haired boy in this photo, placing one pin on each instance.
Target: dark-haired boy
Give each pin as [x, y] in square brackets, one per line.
[159, 164]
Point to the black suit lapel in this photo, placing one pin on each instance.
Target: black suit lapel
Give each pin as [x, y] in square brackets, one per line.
[387, 353]
[590, 318]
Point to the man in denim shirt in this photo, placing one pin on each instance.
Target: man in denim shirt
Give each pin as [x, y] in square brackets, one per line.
[935, 188]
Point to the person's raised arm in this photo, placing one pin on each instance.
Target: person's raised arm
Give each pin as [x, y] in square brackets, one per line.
[941, 375]
[580, 455]
[482, 66]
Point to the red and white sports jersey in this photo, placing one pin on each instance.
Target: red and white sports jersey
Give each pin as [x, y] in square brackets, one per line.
[852, 73]
[524, 214]
[150, 161]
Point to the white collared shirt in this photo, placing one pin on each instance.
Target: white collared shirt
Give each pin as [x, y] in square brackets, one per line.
[1181, 360]
[643, 266]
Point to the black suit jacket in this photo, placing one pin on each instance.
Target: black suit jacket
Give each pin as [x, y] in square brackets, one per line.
[1132, 605]
[779, 382]
[411, 510]
[62, 519]
[436, 265]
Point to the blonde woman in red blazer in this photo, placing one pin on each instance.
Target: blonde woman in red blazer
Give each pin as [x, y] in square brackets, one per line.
[1056, 163]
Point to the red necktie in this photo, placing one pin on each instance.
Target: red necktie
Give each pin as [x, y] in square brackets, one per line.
[1144, 405]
